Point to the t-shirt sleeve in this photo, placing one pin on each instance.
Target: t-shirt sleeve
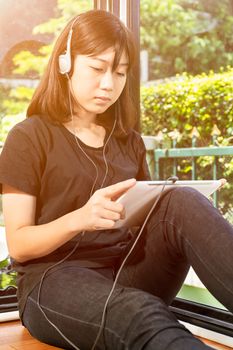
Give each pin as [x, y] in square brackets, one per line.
[143, 171]
[20, 162]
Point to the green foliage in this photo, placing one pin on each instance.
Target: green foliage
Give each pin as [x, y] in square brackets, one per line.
[188, 101]
[193, 101]
[27, 63]
[7, 124]
[7, 278]
[4, 263]
[66, 9]
[15, 100]
[4, 93]
[13, 108]
[186, 36]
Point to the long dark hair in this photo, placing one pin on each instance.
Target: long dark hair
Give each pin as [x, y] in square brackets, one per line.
[93, 32]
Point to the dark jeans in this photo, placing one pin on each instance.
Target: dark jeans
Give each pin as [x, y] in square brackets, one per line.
[184, 230]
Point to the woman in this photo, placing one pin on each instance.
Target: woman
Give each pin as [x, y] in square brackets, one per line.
[62, 170]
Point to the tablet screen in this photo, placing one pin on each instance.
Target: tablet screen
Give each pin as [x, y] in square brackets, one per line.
[139, 199]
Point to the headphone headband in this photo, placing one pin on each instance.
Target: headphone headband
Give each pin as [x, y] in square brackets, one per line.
[64, 60]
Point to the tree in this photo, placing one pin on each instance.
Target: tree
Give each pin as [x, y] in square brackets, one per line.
[186, 35]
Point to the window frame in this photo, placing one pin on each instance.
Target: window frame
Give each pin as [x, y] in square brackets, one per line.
[198, 314]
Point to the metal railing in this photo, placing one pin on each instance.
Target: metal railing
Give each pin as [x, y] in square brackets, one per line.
[156, 152]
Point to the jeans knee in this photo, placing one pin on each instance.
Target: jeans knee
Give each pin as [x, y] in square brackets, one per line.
[138, 317]
[188, 197]
[185, 191]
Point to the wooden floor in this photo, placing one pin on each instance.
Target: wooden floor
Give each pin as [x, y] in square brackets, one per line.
[13, 336]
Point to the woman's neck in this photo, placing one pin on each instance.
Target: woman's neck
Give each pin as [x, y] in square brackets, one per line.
[80, 121]
[87, 130]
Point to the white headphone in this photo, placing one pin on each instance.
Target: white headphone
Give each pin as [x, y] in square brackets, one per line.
[64, 60]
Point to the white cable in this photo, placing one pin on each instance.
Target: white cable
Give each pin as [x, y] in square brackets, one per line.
[40, 286]
[123, 263]
[77, 142]
[83, 232]
[104, 157]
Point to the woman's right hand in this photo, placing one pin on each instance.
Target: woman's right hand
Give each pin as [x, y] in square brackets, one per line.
[102, 211]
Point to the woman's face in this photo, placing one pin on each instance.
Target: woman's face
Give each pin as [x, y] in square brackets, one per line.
[95, 85]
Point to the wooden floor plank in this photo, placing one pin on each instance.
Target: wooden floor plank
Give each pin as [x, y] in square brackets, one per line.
[32, 346]
[13, 331]
[13, 336]
[217, 345]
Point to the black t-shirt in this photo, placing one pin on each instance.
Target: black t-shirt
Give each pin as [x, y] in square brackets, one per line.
[44, 160]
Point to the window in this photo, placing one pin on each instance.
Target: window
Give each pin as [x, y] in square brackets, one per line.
[186, 81]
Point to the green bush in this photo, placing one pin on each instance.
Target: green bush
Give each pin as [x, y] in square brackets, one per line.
[14, 102]
[189, 101]
[193, 101]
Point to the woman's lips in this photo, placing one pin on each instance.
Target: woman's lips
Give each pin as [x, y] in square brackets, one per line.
[102, 99]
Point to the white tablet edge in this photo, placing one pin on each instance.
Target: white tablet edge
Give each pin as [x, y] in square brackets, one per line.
[135, 199]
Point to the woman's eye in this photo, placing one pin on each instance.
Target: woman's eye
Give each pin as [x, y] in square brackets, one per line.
[97, 69]
[121, 74]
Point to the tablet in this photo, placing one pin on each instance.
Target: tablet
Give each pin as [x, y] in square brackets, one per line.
[139, 199]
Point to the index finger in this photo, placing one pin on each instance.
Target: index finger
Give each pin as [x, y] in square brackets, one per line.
[116, 190]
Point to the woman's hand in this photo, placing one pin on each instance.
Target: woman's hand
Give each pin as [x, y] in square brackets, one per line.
[101, 211]
[27, 241]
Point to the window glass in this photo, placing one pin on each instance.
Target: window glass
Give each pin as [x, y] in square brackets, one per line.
[186, 95]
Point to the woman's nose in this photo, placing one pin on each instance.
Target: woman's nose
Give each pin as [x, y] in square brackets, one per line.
[106, 82]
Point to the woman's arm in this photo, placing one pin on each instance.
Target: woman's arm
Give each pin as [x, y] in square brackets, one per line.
[27, 241]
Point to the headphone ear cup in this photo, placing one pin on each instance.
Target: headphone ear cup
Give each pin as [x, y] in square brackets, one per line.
[64, 62]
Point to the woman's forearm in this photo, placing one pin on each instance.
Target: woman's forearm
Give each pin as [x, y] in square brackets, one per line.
[27, 241]
[31, 242]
